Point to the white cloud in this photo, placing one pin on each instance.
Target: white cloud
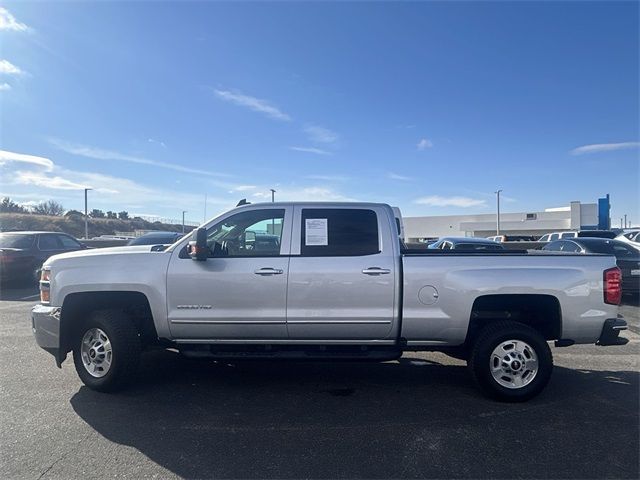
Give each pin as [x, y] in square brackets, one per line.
[101, 154]
[157, 142]
[42, 180]
[438, 201]
[252, 103]
[8, 68]
[24, 172]
[320, 134]
[424, 143]
[395, 176]
[9, 22]
[244, 188]
[328, 178]
[604, 147]
[304, 194]
[4, 87]
[317, 151]
[6, 157]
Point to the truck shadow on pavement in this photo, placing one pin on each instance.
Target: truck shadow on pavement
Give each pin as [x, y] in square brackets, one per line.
[412, 418]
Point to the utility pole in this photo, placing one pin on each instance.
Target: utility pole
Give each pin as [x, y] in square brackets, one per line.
[620, 222]
[205, 208]
[273, 220]
[498, 215]
[183, 212]
[625, 220]
[86, 215]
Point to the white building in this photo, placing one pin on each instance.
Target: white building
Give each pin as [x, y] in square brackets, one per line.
[576, 216]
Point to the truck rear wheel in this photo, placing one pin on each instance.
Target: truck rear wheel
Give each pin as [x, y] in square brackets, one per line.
[106, 351]
[511, 361]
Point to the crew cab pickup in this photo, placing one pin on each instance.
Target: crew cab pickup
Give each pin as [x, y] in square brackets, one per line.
[324, 281]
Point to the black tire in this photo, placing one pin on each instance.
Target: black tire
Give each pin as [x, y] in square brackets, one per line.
[492, 336]
[125, 346]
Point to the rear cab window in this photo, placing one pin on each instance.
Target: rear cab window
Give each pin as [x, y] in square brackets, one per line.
[334, 232]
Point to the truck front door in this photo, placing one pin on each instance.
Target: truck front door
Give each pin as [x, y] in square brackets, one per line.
[240, 291]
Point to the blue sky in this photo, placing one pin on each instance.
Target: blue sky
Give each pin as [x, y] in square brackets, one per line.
[427, 106]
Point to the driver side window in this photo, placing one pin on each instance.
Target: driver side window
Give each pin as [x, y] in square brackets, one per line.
[254, 233]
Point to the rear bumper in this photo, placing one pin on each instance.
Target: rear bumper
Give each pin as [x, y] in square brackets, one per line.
[45, 325]
[611, 331]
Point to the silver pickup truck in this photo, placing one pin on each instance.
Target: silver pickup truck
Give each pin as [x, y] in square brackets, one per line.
[323, 281]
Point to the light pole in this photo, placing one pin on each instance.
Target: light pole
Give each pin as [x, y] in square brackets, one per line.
[625, 220]
[205, 209]
[183, 212]
[273, 220]
[86, 215]
[498, 216]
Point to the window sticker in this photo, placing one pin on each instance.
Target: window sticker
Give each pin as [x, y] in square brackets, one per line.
[315, 232]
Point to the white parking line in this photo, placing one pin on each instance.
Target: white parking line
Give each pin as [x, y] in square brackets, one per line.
[30, 296]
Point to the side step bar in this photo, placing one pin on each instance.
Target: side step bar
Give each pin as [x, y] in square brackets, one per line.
[290, 352]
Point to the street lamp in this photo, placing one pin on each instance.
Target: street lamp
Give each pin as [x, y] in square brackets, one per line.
[272, 195]
[86, 216]
[498, 215]
[183, 212]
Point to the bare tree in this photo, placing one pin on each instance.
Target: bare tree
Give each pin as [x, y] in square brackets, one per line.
[50, 207]
[9, 206]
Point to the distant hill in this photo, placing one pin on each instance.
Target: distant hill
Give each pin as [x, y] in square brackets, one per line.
[73, 224]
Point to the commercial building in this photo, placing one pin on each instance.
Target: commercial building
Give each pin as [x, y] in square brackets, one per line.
[575, 216]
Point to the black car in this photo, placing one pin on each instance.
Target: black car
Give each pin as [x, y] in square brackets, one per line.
[156, 238]
[627, 257]
[23, 253]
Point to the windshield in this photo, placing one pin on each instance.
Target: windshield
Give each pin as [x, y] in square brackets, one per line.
[12, 240]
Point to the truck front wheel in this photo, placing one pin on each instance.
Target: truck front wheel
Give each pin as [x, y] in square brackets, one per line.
[106, 351]
[511, 361]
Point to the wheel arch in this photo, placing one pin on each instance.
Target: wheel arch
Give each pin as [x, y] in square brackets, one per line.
[542, 312]
[77, 306]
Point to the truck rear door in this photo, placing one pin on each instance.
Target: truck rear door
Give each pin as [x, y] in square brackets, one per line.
[343, 277]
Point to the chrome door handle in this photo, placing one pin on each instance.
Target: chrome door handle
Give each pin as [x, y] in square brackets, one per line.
[376, 271]
[268, 271]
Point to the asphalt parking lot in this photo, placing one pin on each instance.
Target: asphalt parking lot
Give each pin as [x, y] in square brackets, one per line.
[418, 417]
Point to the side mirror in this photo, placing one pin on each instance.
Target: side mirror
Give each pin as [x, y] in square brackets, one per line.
[197, 247]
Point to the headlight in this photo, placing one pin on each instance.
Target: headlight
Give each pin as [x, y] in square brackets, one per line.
[45, 274]
[45, 285]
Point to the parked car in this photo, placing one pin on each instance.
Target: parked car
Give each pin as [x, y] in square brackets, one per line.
[465, 243]
[339, 286]
[156, 238]
[610, 234]
[22, 253]
[512, 238]
[550, 237]
[627, 257]
[631, 237]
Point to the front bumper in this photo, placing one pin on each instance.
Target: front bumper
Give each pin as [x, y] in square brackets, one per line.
[610, 332]
[45, 324]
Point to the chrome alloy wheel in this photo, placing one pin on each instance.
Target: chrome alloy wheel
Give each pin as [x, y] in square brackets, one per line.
[96, 352]
[514, 364]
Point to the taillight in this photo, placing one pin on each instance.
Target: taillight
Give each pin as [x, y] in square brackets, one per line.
[612, 279]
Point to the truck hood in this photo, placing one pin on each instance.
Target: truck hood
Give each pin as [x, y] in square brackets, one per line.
[99, 252]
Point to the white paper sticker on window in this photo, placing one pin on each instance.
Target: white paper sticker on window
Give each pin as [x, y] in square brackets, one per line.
[315, 232]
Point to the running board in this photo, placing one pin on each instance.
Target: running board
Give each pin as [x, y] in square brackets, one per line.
[290, 352]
